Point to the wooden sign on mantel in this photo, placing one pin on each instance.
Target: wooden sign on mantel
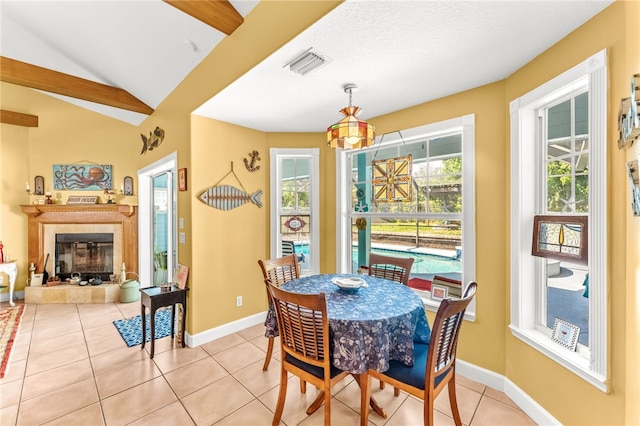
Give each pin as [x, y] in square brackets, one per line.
[82, 199]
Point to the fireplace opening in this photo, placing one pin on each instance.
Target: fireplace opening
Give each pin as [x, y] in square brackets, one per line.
[87, 254]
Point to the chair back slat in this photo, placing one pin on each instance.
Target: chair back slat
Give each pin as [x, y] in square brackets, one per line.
[444, 337]
[280, 270]
[302, 319]
[390, 268]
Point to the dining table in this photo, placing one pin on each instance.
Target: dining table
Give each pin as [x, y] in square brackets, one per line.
[369, 326]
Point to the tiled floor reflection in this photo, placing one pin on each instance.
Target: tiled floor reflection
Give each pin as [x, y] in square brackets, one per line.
[71, 367]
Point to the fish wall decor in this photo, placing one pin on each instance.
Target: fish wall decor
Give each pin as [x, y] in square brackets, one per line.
[153, 141]
[227, 197]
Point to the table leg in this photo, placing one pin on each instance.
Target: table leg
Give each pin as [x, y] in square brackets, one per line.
[144, 325]
[13, 274]
[365, 394]
[183, 320]
[363, 379]
[173, 318]
[152, 316]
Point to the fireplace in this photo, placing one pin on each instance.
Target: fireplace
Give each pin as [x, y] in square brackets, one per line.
[92, 240]
[89, 255]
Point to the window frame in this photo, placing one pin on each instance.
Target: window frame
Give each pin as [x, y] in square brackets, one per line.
[526, 270]
[464, 125]
[313, 155]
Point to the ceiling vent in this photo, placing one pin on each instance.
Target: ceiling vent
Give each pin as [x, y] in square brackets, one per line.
[309, 60]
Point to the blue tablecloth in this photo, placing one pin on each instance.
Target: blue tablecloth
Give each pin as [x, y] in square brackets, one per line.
[369, 327]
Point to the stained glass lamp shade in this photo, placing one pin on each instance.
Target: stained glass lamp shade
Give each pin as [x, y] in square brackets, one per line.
[350, 132]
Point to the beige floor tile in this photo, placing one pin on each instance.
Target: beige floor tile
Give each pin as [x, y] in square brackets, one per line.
[117, 358]
[467, 403]
[411, 413]
[239, 357]
[56, 378]
[128, 376]
[180, 357]
[97, 320]
[340, 415]
[100, 332]
[90, 415]
[193, 377]
[45, 329]
[350, 396]
[105, 344]
[9, 415]
[295, 404]
[10, 393]
[14, 371]
[253, 413]
[252, 332]
[129, 309]
[172, 414]
[258, 381]
[491, 412]
[20, 351]
[137, 402]
[216, 401]
[54, 342]
[500, 396]
[57, 403]
[65, 355]
[223, 343]
[162, 345]
[471, 384]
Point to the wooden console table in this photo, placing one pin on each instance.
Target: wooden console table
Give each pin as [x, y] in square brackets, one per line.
[154, 298]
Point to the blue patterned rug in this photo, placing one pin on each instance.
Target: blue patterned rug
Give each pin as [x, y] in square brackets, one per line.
[131, 329]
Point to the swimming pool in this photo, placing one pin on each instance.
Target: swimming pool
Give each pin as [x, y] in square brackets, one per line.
[423, 263]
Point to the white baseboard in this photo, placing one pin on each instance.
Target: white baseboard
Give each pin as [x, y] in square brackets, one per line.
[497, 381]
[17, 295]
[224, 330]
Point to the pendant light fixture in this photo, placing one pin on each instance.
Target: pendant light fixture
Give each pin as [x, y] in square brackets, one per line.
[350, 132]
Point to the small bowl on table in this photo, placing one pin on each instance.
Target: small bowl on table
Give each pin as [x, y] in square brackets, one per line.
[348, 284]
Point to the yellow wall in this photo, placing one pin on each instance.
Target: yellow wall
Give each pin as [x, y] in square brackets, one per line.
[570, 399]
[65, 134]
[632, 337]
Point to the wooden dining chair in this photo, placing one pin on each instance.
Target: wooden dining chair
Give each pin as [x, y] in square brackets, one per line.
[391, 268]
[304, 342]
[278, 271]
[434, 363]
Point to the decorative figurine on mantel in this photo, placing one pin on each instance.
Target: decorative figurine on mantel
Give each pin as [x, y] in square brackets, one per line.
[108, 195]
[49, 200]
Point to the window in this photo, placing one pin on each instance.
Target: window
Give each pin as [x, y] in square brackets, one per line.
[295, 206]
[558, 168]
[411, 196]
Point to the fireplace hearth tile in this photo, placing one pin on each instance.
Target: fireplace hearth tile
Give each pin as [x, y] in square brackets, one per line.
[66, 293]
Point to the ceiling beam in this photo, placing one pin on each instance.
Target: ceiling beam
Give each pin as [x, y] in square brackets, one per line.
[24, 74]
[18, 118]
[219, 14]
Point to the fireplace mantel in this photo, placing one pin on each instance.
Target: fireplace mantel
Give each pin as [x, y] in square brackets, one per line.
[38, 209]
[41, 215]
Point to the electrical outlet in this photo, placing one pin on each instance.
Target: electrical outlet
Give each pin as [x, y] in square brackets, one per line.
[239, 301]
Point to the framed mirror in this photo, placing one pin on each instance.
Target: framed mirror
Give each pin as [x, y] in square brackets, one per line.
[128, 185]
[38, 183]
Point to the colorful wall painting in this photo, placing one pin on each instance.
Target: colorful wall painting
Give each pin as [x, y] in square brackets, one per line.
[82, 177]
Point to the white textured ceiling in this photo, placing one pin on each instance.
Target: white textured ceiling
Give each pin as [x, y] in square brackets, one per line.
[400, 53]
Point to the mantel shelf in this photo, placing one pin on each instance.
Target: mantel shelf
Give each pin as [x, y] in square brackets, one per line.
[38, 209]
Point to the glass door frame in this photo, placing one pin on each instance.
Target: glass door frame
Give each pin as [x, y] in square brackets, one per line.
[167, 165]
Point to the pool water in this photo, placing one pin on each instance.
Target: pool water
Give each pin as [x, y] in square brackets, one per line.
[423, 263]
